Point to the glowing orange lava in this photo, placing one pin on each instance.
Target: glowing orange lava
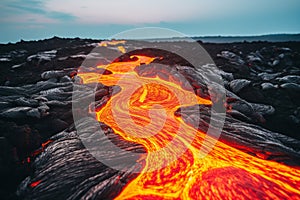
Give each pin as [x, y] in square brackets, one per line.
[112, 42]
[225, 173]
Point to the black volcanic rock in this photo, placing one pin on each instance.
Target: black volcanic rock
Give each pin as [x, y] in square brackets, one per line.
[238, 84]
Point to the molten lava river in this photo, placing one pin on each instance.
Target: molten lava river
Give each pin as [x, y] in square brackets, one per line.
[224, 173]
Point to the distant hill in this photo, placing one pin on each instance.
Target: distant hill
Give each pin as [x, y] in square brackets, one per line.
[232, 39]
[268, 38]
[205, 39]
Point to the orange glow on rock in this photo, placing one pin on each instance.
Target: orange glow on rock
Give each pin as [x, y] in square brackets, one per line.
[225, 173]
[41, 149]
[36, 183]
[46, 143]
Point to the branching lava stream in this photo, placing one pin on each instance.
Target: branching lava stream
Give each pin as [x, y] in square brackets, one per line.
[173, 168]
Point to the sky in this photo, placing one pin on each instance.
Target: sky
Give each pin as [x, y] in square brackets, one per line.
[100, 19]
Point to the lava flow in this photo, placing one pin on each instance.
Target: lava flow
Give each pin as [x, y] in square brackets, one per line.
[173, 168]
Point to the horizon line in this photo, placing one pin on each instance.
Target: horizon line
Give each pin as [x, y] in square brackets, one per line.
[157, 38]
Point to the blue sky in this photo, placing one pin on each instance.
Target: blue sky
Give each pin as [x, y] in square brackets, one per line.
[38, 19]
